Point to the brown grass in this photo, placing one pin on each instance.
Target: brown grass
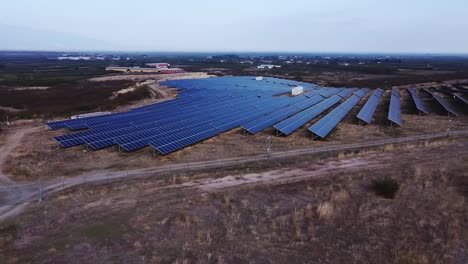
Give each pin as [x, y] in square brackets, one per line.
[325, 210]
[332, 219]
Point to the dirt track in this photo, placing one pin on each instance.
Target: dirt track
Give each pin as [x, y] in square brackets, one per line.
[10, 144]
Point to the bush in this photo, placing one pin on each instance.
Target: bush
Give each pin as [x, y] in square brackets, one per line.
[386, 188]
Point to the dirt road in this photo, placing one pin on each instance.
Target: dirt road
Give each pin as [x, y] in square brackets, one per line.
[11, 143]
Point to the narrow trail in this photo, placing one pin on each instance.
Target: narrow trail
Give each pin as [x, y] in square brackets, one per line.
[12, 141]
[13, 193]
[30, 191]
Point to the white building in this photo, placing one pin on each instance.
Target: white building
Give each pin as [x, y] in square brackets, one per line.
[268, 66]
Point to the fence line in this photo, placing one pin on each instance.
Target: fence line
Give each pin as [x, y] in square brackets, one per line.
[37, 191]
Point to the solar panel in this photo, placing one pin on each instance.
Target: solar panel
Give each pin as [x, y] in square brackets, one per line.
[417, 101]
[368, 110]
[394, 112]
[207, 107]
[293, 123]
[267, 121]
[325, 125]
[446, 105]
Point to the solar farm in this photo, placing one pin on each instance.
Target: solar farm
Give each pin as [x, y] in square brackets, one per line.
[205, 108]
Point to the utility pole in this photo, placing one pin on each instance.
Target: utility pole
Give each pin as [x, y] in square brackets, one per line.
[40, 191]
[268, 146]
[449, 129]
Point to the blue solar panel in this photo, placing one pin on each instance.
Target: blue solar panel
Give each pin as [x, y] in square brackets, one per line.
[293, 123]
[347, 92]
[367, 112]
[205, 108]
[417, 101]
[324, 126]
[267, 121]
[447, 106]
[394, 112]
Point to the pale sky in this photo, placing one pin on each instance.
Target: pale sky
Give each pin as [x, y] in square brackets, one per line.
[420, 26]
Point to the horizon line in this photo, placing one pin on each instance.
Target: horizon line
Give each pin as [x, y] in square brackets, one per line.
[227, 52]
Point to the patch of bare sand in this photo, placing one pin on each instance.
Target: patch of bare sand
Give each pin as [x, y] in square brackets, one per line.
[143, 77]
[285, 175]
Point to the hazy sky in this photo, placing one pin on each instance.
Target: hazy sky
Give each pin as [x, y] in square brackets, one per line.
[252, 25]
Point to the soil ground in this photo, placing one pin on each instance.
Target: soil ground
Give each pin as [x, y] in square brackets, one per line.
[307, 211]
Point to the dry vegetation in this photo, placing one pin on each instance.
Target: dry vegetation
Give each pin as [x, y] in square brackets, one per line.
[307, 214]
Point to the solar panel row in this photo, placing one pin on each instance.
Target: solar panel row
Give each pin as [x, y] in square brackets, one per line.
[446, 105]
[324, 126]
[368, 110]
[394, 112]
[260, 124]
[417, 101]
[293, 123]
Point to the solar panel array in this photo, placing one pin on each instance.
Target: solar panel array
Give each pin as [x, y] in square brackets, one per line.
[394, 112]
[204, 108]
[293, 123]
[417, 101]
[208, 107]
[446, 105]
[325, 125]
[367, 112]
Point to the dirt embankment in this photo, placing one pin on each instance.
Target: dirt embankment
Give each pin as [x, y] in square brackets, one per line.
[143, 77]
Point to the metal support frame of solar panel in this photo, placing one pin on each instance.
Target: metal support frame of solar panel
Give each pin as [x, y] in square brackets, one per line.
[291, 124]
[417, 101]
[258, 125]
[442, 103]
[367, 112]
[326, 124]
[394, 111]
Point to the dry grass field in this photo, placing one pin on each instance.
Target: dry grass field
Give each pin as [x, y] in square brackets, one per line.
[310, 210]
